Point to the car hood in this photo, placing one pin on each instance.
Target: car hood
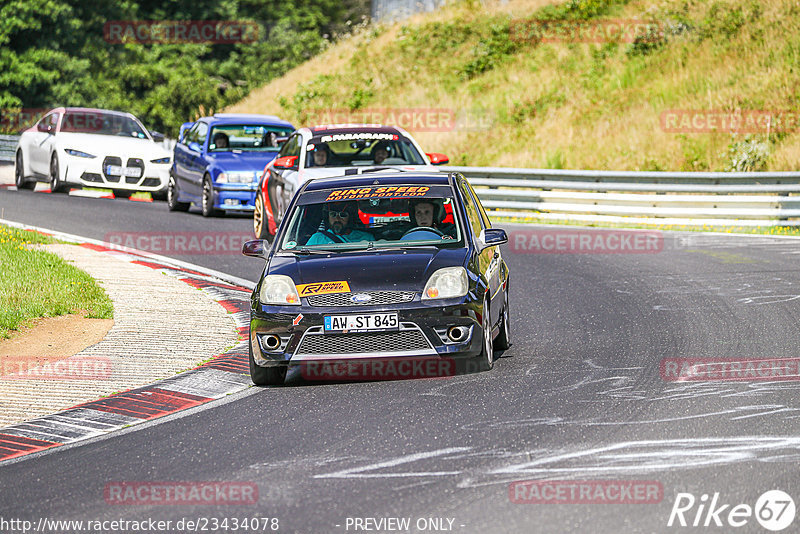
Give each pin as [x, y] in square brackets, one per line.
[242, 161]
[101, 145]
[324, 172]
[398, 270]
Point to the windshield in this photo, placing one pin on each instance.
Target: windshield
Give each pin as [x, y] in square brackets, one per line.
[98, 122]
[246, 137]
[418, 216]
[361, 148]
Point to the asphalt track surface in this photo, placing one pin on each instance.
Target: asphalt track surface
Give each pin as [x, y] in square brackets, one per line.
[578, 397]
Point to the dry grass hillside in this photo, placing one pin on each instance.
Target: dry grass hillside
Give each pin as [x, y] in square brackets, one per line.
[516, 100]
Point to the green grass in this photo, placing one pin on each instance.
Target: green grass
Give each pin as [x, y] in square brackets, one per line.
[35, 283]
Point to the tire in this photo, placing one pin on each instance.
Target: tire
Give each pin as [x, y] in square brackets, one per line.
[260, 223]
[485, 360]
[57, 185]
[208, 198]
[265, 376]
[19, 174]
[123, 193]
[503, 339]
[172, 197]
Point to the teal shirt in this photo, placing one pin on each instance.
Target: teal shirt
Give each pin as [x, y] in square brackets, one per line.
[353, 237]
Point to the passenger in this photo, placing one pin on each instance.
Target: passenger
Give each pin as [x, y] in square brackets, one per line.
[380, 152]
[429, 214]
[220, 141]
[339, 220]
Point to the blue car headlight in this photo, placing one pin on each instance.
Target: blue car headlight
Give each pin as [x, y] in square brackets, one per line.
[78, 153]
[161, 161]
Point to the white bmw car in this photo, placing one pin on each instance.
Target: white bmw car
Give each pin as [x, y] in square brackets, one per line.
[92, 148]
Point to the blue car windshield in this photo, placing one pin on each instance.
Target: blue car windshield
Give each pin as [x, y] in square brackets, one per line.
[246, 137]
[386, 222]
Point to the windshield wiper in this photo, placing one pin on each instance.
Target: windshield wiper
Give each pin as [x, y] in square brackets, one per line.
[304, 251]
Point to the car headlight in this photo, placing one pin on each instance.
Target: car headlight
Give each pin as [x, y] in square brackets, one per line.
[446, 283]
[279, 289]
[160, 161]
[78, 153]
[236, 177]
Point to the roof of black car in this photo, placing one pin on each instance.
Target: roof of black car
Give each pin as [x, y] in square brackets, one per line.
[379, 178]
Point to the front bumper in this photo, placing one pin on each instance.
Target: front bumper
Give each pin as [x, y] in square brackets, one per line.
[422, 333]
[235, 196]
[91, 172]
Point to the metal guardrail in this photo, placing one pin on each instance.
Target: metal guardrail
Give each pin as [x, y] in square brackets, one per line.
[666, 198]
[8, 144]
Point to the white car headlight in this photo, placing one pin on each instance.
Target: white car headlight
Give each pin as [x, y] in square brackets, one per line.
[236, 177]
[160, 160]
[446, 283]
[279, 289]
[78, 153]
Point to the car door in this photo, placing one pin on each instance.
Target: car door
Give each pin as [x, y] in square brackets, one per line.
[42, 139]
[489, 259]
[180, 157]
[192, 168]
[283, 182]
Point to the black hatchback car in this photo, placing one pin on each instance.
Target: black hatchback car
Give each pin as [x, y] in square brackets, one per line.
[402, 270]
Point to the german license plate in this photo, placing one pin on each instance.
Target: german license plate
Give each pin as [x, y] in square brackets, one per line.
[116, 170]
[364, 322]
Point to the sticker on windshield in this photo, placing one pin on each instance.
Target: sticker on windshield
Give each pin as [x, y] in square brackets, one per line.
[360, 135]
[323, 288]
[290, 245]
[378, 192]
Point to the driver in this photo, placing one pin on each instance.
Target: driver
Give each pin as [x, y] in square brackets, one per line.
[426, 213]
[380, 152]
[220, 140]
[339, 218]
[320, 155]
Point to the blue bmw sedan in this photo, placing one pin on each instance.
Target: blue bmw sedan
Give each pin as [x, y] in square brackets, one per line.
[218, 160]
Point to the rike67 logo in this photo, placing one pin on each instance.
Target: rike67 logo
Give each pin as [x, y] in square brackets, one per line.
[774, 510]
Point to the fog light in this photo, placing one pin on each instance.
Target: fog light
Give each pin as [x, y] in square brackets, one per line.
[270, 342]
[457, 333]
[231, 202]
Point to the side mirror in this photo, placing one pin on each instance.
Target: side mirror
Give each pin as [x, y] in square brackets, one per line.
[491, 237]
[158, 137]
[43, 127]
[194, 147]
[254, 248]
[286, 162]
[437, 159]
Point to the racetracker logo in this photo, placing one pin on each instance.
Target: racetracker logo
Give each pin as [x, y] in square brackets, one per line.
[180, 493]
[72, 368]
[586, 492]
[579, 241]
[739, 121]
[412, 119]
[186, 243]
[585, 31]
[729, 369]
[13, 121]
[378, 369]
[181, 31]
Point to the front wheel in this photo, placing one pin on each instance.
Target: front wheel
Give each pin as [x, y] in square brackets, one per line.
[172, 197]
[208, 198]
[503, 339]
[265, 376]
[57, 185]
[260, 223]
[19, 174]
[485, 359]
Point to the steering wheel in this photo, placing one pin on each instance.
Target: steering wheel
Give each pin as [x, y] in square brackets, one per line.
[423, 229]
